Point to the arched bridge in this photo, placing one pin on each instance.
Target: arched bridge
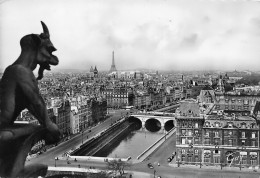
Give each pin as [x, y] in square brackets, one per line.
[163, 121]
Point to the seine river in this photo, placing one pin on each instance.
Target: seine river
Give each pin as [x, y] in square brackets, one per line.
[131, 143]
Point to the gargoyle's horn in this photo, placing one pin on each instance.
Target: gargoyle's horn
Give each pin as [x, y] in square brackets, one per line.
[45, 29]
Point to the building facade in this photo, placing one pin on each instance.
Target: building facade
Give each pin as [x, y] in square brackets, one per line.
[189, 123]
[62, 118]
[215, 139]
[243, 104]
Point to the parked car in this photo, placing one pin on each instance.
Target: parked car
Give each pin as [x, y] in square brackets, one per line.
[150, 165]
[170, 158]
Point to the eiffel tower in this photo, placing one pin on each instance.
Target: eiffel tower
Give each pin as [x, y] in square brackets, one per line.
[113, 66]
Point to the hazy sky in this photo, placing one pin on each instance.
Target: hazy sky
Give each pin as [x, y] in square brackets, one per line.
[157, 34]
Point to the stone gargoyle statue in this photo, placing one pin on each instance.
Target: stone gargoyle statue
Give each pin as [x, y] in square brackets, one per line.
[19, 90]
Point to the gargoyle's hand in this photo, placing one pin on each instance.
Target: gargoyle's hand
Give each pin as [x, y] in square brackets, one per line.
[53, 134]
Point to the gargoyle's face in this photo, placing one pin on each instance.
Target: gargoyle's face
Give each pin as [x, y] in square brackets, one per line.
[45, 58]
[42, 47]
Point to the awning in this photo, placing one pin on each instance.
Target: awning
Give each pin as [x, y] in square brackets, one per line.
[253, 153]
[243, 153]
[206, 151]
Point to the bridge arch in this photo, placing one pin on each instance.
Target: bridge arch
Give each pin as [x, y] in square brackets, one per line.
[136, 120]
[153, 124]
[160, 122]
[168, 125]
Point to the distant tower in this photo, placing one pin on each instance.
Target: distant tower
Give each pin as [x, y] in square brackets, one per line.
[95, 72]
[91, 69]
[113, 66]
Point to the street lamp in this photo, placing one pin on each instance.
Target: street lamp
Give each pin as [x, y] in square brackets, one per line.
[154, 171]
[82, 136]
[56, 158]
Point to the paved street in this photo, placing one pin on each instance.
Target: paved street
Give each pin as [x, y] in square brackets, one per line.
[167, 171]
[141, 169]
[48, 156]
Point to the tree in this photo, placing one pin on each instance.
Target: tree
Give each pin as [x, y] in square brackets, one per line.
[99, 175]
[117, 166]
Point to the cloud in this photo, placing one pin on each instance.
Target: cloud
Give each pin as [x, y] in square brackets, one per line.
[190, 41]
[155, 34]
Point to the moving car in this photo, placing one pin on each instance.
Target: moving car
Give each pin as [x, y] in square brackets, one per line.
[150, 165]
[170, 158]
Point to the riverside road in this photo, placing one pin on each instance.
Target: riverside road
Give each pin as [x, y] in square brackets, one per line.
[48, 157]
[165, 170]
[139, 170]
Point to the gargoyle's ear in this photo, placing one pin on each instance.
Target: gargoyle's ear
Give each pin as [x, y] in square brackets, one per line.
[36, 39]
[31, 41]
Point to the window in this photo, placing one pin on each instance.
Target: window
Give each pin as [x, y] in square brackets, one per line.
[243, 126]
[216, 159]
[183, 141]
[243, 135]
[226, 100]
[229, 142]
[183, 132]
[189, 158]
[230, 133]
[196, 132]
[253, 134]
[226, 106]
[207, 134]
[216, 134]
[243, 159]
[189, 141]
[183, 157]
[230, 125]
[233, 100]
[207, 141]
[196, 141]
[243, 142]
[217, 141]
[183, 151]
[253, 161]
[189, 133]
[253, 143]
[196, 125]
[207, 155]
[207, 124]
[196, 152]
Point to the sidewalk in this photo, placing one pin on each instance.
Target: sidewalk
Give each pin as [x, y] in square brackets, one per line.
[214, 167]
[153, 147]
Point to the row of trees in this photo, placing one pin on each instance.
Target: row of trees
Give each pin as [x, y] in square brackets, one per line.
[117, 166]
[250, 80]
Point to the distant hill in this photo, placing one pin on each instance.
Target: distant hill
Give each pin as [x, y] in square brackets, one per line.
[69, 70]
[253, 79]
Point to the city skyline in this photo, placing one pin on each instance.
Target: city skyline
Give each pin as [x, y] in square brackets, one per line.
[163, 35]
